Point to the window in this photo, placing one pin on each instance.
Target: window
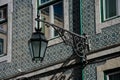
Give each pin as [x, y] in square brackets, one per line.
[112, 74]
[56, 13]
[1, 46]
[107, 13]
[52, 14]
[109, 9]
[109, 70]
[3, 13]
[3, 30]
[6, 10]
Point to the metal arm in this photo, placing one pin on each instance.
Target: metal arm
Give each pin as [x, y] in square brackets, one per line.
[77, 42]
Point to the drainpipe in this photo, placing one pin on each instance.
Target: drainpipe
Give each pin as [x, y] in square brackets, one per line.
[81, 28]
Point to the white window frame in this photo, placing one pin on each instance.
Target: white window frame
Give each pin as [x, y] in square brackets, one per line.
[8, 56]
[99, 24]
[66, 19]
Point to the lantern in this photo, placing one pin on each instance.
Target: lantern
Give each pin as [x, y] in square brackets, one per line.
[37, 46]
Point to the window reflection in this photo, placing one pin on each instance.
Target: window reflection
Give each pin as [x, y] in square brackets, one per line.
[52, 14]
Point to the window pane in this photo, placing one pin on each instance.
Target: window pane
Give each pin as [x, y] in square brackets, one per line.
[58, 12]
[114, 76]
[110, 6]
[1, 46]
[3, 38]
[58, 8]
[43, 1]
[0, 14]
[3, 13]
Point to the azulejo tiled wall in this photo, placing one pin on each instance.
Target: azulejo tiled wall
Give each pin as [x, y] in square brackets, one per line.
[88, 16]
[90, 72]
[109, 35]
[22, 30]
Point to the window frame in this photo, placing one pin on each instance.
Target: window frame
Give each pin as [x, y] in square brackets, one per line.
[106, 68]
[3, 20]
[103, 11]
[8, 56]
[52, 16]
[98, 18]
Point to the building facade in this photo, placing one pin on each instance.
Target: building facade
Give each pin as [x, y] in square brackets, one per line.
[99, 19]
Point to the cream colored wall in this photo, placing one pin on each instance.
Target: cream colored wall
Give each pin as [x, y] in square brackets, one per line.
[57, 66]
[103, 52]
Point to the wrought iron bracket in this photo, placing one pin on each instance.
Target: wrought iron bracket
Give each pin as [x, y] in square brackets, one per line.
[79, 43]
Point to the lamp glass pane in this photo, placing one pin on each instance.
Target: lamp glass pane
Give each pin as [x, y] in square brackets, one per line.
[43, 48]
[35, 47]
[30, 48]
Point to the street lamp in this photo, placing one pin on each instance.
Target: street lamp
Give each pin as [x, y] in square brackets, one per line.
[38, 42]
[37, 45]
[78, 43]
